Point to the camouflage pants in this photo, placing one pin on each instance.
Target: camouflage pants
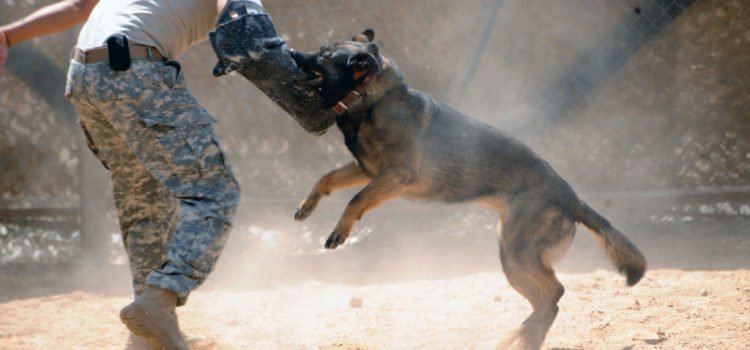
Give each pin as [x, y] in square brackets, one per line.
[174, 191]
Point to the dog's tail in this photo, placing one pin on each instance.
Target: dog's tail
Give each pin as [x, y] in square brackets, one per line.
[624, 254]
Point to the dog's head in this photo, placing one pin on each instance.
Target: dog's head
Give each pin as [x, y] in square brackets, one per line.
[340, 68]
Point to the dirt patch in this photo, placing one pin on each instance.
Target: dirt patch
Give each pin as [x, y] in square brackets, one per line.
[669, 309]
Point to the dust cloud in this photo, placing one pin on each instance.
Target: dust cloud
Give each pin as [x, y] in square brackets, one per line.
[607, 108]
[649, 129]
[616, 114]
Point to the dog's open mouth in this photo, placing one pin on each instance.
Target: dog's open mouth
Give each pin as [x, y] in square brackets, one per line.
[316, 78]
[307, 63]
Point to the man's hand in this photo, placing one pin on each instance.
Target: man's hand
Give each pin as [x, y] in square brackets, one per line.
[3, 52]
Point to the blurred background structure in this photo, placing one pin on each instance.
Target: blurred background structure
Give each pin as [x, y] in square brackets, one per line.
[642, 105]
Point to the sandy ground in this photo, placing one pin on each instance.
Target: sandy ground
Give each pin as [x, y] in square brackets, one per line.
[669, 309]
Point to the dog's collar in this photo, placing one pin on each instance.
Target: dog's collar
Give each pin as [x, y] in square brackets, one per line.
[355, 96]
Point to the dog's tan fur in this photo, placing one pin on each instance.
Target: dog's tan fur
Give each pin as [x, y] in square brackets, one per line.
[408, 145]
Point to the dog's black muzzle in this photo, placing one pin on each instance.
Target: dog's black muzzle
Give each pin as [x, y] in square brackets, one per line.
[245, 41]
[302, 59]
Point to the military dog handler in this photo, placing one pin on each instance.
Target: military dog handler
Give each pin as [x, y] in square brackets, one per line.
[174, 191]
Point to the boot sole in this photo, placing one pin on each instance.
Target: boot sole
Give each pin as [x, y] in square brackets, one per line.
[138, 322]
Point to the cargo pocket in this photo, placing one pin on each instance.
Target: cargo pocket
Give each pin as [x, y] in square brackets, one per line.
[205, 143]
[180, 141]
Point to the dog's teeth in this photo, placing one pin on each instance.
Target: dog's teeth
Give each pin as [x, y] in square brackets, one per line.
[315, 82]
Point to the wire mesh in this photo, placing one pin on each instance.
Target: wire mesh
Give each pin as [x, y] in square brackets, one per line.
[618, 95]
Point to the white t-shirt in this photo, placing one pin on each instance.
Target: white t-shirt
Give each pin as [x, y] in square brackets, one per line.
[172, 26]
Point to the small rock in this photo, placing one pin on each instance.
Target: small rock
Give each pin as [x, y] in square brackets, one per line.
[704, 292]
[356, 302]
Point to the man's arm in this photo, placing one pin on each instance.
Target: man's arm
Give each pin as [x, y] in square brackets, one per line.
[50, 19]
[220, 5]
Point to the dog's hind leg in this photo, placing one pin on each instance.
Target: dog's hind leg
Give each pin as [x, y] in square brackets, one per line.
[382, 188]
[348, 176]
[532, 239]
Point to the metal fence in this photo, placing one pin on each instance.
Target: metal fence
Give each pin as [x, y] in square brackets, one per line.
[551, 73]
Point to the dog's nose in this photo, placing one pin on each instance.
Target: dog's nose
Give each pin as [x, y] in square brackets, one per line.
[296, 55]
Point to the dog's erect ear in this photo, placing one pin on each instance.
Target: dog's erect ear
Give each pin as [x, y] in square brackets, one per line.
[364, 37]
[366, 59]
[370, 34]
[364, 63]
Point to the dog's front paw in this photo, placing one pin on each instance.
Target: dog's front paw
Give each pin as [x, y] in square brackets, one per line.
[335, 240]
[301, 214]
[305, 209]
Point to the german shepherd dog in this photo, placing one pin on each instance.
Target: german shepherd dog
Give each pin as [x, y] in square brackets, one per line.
[406, 144]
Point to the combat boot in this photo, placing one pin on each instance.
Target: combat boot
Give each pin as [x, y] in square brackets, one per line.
[194, 342]
[152, 316]
[198, 342]
[136, 342]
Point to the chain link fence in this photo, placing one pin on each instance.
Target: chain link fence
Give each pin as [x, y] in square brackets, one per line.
[632, 101]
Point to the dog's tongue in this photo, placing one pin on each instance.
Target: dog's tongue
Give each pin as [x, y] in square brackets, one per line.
[245, 41]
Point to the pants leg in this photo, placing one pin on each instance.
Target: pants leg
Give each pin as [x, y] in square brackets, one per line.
[171, 138]
[146, 210]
